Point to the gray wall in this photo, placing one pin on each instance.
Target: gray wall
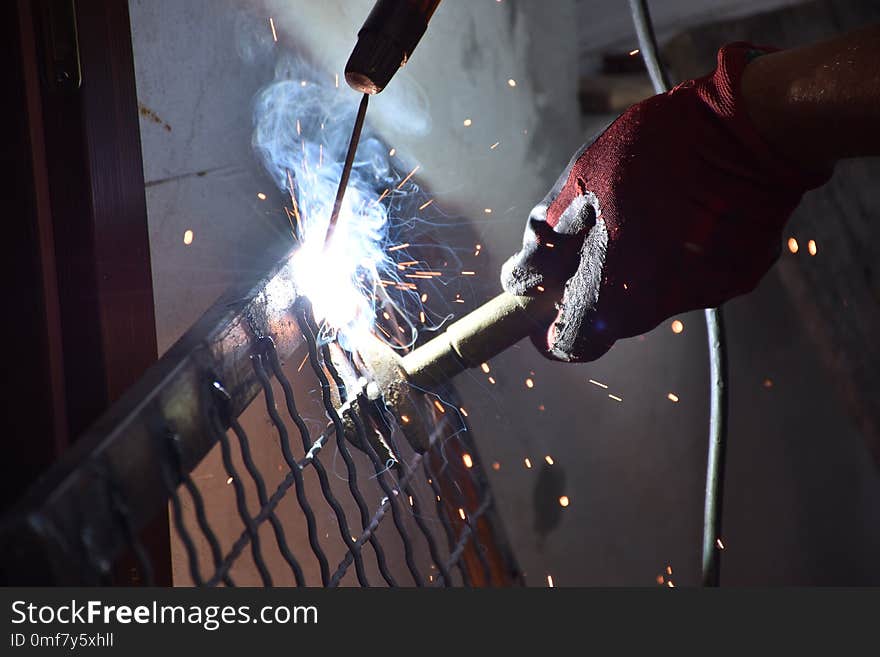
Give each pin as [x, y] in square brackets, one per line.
[803, 499]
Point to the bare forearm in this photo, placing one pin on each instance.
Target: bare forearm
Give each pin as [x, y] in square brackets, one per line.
[819, 103]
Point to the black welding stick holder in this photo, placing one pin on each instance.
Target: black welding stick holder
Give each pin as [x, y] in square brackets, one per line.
[386, 41]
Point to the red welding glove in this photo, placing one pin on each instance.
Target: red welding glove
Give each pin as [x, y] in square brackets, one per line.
[678, 205]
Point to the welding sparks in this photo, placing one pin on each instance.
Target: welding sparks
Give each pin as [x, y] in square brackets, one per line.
[530, 383]
[496, 466]
[187, 237]
[439, 406]
[550, 581]
[461, 514]
[672, 397]
[596, 383]
[487, 210]
[811, 247]
[484, 367]
[549, 459]
[301, 130]
[228, 481]
[633, 52]
[511, 83]
[719, 544]
[408, 176]
[615, 397]
[793, 245]
[677, 326]
[468, 461]
[467, 123]
[463, 412]
[564, 501]
[261, 196]
[528, 462]
[494, 146]
[274, 33]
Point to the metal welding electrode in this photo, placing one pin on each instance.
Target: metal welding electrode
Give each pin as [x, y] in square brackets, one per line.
[386, 41]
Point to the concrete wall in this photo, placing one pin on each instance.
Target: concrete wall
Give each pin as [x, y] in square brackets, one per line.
[803, 498]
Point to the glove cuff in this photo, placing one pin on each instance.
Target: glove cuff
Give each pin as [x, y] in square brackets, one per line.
[721, 92]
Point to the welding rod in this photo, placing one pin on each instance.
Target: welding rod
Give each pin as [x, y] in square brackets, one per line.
[478, 336]
[346, 168]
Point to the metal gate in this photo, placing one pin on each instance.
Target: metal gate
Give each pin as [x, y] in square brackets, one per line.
[333, 511]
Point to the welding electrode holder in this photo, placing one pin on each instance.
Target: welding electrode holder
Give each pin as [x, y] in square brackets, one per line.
[386, 41]
[480, 335]
[399, 384]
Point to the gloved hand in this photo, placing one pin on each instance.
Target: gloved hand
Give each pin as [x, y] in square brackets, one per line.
[678, 205]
